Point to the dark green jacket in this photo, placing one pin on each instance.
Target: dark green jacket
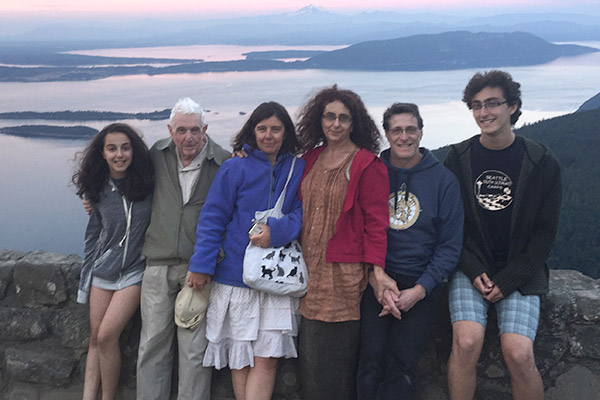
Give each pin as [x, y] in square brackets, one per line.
[533, 223]
[172, 232]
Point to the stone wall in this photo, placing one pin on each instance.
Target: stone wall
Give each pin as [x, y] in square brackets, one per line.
[44, 337]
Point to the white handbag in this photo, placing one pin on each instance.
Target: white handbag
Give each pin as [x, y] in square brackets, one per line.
[276, 270]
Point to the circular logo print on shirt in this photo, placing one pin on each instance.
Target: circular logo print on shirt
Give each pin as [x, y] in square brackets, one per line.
[403, 213]
[493, 190]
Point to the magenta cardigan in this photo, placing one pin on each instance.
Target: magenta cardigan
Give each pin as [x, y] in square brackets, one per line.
[361, 230]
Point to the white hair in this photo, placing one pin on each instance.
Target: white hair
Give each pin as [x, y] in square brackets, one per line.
[187, 106]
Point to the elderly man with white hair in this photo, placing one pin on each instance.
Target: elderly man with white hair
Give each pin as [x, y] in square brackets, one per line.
[185, 165]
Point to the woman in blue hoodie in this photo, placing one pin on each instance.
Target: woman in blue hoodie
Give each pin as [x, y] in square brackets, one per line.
[249, 330]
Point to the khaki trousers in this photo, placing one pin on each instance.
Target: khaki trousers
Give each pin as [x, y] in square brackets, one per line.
[155, 358]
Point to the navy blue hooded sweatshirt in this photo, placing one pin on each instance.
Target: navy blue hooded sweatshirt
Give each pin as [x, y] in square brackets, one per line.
[426, 220]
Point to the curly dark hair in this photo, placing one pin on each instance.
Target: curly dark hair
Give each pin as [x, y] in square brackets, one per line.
[364, 132]
[495, 79]
[401, 108]
[93, 170]
[264, 111]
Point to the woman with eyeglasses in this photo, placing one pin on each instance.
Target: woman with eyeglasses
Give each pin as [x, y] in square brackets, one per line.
[116, 177]
[344, 193]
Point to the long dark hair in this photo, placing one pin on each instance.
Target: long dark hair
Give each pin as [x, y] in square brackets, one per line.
[263, 111]
[364, 132]
[93, 170]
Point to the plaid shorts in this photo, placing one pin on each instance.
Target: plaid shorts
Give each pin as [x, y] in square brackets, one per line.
[516, 313]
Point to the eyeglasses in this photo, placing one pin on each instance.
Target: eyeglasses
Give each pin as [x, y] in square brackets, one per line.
[344, 119]
[488, 104]
[410, 130]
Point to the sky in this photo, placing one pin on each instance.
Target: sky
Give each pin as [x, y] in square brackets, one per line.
[238, 7]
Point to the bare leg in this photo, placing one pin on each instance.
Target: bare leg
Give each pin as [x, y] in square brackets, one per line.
[261, 379]
[99, 301]
[122, 306]
[467, 341]
[239, 378]
[525, 378]
[255, 383]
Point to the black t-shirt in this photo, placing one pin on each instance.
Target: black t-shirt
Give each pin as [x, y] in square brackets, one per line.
[495, 175]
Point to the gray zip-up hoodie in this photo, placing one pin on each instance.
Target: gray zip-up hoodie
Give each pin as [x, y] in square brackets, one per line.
[113, 239]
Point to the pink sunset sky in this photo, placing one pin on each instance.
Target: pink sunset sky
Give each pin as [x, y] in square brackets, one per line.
[237, 7]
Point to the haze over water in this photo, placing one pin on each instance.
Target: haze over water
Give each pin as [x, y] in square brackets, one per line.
[39, 211]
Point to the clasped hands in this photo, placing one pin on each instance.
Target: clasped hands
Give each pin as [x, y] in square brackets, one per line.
[394, 300]
[488, 289]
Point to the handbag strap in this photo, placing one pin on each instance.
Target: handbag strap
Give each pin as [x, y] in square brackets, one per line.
[279, 204]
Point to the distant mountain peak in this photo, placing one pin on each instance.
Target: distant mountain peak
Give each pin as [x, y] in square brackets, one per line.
[309, 10]
[313, 14]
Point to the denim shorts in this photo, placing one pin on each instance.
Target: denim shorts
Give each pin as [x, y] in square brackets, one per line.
[516, 313]
[130, 279]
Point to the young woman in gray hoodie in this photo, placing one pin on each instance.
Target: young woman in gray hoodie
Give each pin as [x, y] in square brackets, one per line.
[117, 178]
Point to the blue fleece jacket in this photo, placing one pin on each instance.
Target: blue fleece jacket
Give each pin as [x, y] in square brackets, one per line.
[426, 220]
[241, 187]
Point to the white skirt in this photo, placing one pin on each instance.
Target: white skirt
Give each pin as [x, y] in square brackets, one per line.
[242, 323]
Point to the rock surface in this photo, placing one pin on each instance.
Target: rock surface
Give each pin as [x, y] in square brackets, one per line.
[44, 337]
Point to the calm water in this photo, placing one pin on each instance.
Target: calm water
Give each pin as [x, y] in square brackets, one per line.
[38, 208]
[206, 52]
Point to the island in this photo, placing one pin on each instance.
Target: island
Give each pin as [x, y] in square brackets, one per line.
[426, 52]
[86, 115]
[50, 132]
[446, 51]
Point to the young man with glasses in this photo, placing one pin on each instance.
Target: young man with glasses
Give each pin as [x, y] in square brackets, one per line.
[511, 190]
[424, 242]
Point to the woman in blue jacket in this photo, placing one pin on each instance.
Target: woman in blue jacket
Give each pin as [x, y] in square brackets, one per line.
[249, 330]
[117, 179]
